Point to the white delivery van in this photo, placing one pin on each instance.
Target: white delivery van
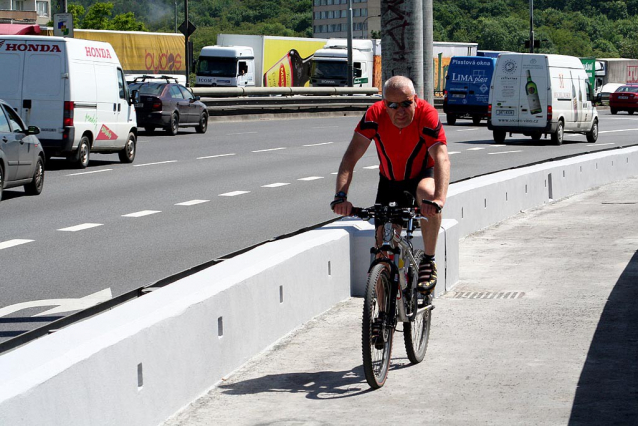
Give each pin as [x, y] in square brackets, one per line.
[538, 94]
[74, 90]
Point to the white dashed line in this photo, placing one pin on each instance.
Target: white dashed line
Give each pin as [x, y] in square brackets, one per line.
[467, 130]
[267, 150]
[453, 152]
[81, 227]
[192, 202]
[234, 193]
[13, 243]
[619, 130]
[214, 156]
[153, 164]
[319, 144]
[311, 178]
[504, 152]
[90, 173]
[275, 185]
[475, 149]
[602, 144]
[141, 213]
[497, 146]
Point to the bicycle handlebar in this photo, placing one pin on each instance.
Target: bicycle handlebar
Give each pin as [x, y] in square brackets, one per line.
[379, 211]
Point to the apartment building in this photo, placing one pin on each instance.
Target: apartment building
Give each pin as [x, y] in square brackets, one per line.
[25, 12]
[330, 18]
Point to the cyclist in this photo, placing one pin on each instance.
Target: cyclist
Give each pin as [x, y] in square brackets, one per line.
[412, 150]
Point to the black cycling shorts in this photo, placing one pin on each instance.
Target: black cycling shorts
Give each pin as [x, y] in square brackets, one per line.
[394, 190]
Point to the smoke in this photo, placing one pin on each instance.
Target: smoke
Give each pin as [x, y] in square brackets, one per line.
[160, 13]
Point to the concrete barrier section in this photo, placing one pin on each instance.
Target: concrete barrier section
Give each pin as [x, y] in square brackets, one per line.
[143, 361]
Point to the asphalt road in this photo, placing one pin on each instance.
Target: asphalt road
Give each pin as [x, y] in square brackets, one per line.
[113, 227]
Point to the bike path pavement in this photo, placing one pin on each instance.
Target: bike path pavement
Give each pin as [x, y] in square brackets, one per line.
[541, 330]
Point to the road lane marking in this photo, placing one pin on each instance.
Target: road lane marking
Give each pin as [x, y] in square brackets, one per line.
[192, 202]
[234, 193]
[475, 149]
[503, 152]
[371, 167]
[63, 305]
[453, 152]
[13, 243]
[275, 185]
[141, 213]
[319, 144]
[214, 156]
[267, 150]
[90, 173]
[497, 146]
[619, 130]
[153, 164]
[311, 178]
[467, 130]
[601, 144]
[80, 227]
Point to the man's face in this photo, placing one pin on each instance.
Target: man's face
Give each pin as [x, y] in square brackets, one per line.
[402, 115]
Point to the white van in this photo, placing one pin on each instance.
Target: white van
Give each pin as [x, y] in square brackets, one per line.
[538, 94]
[74, 90]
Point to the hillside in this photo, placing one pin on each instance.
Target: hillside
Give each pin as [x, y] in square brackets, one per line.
[600, 28]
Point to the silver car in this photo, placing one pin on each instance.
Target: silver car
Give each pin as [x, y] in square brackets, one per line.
[21, 153]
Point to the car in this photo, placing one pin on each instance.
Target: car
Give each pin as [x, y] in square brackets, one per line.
[602, 97]
[21, 155]
[625, 98]
[165, 103]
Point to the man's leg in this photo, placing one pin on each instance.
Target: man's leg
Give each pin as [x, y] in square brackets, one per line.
[430, 233]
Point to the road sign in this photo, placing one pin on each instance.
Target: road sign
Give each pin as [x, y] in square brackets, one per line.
[63, 25]
[187, 29]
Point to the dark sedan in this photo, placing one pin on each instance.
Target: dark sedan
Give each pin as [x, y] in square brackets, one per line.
[168, 105]
[21, 154]
[625, 98]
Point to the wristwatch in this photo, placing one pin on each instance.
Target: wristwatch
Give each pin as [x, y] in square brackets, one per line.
[341, 194]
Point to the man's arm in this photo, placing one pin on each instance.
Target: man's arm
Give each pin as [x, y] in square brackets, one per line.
[358, 146]
[441, 176]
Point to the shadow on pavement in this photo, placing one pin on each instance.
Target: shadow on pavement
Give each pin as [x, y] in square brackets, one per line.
[607, 392]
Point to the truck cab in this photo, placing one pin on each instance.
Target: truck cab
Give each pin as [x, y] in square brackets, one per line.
[225, 66]
[330, 64]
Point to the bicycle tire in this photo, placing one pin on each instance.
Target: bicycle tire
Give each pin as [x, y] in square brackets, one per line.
[376, 362]
[416, 334]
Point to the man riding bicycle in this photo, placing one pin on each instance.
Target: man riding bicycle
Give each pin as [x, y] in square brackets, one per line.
[412, 150]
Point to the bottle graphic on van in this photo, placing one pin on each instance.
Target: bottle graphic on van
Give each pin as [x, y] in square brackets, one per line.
[532, 95]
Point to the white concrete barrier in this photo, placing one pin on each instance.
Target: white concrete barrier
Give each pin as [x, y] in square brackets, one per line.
[143, 361]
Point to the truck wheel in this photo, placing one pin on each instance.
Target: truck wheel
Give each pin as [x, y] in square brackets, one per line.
[476, 119]
[127, 155]
[173, 126]
[81, 156]
[451, 119]
[203, 123]
[592, 135]
[499, 136]
[557, 136]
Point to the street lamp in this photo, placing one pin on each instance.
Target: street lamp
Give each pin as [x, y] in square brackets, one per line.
[366, 20]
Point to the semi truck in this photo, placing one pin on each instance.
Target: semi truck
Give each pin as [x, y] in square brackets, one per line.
[276, 61]
[141, 52]
[330, 64]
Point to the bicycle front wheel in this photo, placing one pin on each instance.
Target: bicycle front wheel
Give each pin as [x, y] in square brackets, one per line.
[377, 333]
[417, 333]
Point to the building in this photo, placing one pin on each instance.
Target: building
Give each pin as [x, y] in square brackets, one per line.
[330, 18]
[25, 12]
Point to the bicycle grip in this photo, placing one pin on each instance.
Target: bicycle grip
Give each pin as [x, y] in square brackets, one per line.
[432, 203]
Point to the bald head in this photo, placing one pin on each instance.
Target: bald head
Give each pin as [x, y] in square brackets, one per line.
[399, 83]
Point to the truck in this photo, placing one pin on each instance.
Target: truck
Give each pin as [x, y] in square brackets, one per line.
[277, 61]
[611, 73]
[442, 56]
[467, 88]
[142, 52]
[330, 63]
[232, 66]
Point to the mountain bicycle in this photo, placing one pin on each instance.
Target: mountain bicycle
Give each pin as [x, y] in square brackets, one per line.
[391, 294]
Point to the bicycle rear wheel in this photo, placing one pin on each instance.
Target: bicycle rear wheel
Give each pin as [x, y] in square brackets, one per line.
[376, 336]
[417, 333]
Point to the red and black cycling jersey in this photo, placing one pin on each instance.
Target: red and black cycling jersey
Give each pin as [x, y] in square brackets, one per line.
[403, 153]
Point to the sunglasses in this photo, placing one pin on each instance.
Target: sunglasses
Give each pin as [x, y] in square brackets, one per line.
[395, 105]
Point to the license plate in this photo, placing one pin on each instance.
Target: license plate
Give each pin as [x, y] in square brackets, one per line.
[140, 105]
[458, 95]
[623, 97]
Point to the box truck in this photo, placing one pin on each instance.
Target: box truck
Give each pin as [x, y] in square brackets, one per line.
[277, 61]
[74, 90]
[232, 66]
[467, 88]
[538, 94]
[330, 64]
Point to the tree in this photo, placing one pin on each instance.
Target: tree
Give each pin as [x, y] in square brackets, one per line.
[126, 22]
[78, 12]
[97, 18]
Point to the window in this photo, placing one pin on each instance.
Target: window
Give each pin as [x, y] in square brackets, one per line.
[175, 93]
[42, 8]
[14, 121]
[18, 4]
[4, 124]
[186, 93]
[121, 84]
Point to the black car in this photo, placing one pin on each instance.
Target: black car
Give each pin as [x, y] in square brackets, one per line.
[21, 153]
[165, 103]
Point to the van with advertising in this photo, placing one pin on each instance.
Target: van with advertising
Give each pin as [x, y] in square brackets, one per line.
[467, 88]
[74, 90]
[540, 94]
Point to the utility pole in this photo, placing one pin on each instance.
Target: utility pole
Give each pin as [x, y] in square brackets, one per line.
[531, 26]
[186, 55]
[428, 51]
[350, 70]
[402, 40]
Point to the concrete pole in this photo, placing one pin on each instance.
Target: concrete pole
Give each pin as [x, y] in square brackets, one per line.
[402, 40]
[350, 69]
[428, 51]
[531, 26]
[186, 56]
